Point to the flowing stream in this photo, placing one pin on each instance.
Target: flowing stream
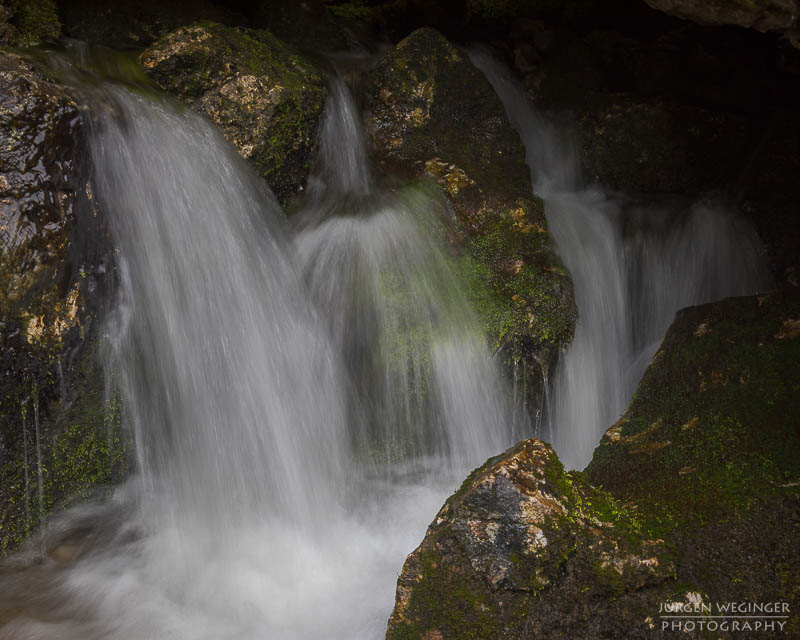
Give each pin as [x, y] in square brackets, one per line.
[303, 395]
[633, 266]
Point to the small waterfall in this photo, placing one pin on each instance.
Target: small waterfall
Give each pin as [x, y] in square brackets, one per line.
[303, 397]
[422, 377]
[633, 267]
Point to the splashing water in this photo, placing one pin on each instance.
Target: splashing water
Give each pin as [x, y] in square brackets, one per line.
[632, 266]
[300, 406]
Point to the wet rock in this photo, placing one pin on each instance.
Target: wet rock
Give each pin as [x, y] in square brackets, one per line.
[763, 15]
[28, 22]
[525, 550]
[432, 114]
[265, 97]
[57, 271]
[709, 449]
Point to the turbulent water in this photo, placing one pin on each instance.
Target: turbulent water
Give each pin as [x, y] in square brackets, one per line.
[633, 266]
[302, 397]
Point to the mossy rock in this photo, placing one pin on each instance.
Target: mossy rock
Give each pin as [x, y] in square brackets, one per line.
[25, 23]
[266, 98]
[709, 449]
[432, 114]
[56, 272]
[525, 550]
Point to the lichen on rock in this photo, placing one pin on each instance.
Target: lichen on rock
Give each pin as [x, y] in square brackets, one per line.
[524, 545]
[266, 98]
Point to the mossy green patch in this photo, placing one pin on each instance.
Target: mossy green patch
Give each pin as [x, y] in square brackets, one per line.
[709, 449]
[80, 446]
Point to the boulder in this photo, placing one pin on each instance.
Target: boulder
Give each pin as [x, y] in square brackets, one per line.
[265, 97]
[57, 269]
[709, 449]
[433, 115]
[525, 550]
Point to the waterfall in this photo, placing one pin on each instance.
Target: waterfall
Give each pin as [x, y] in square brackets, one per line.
[633, 266]
[424, 384]
[303, 394]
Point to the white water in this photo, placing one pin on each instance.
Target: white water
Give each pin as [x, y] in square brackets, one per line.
[303, 400]
[632, 266]
[301, 407]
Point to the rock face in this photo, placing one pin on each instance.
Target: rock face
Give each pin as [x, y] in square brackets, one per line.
[525, 550]
[28, 22]
[57, 267]
[265, 97]
[764, 15]
[432, 114]
[658, 147]
[709, 449]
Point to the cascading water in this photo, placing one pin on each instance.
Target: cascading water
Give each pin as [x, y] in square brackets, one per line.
[632, 266]
[300, 406]
[425, 385]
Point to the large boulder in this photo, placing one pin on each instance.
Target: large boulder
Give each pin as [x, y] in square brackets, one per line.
[266, 98]
[57, 430]
[432, 114]
[709, 449]
[525, 550]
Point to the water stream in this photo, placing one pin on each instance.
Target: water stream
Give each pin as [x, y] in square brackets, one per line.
[633, 266]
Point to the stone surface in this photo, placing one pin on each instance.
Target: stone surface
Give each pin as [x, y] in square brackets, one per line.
[28, 22]
[525, 550]
[56, 268]
[709, 449]
[763, 15]
[266, 98]
[433, 115]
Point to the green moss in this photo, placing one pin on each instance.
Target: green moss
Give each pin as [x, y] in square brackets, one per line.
[81, 447]
[449, 601]
[708, 448]
[31, 22]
